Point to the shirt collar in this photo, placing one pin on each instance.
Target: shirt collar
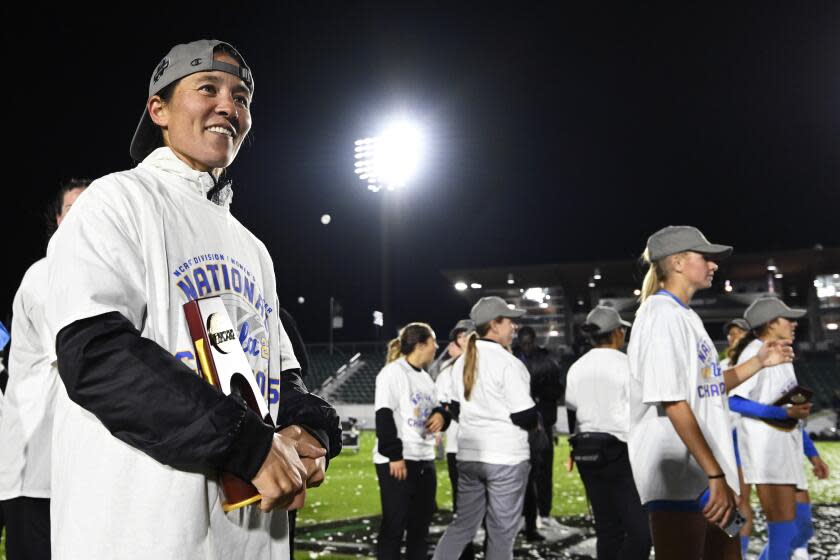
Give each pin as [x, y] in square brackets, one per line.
[164, 159]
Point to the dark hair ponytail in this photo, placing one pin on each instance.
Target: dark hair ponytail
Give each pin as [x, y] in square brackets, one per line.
[410, 336]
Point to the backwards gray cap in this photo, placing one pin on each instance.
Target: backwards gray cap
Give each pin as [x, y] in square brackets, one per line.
[602, 320]
[676, 239]
[740, 323]
[766, 308]
[492, 307]
[464, 325]
[178, 63]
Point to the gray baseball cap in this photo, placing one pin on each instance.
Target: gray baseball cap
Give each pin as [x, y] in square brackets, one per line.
[492, 307]
[602, 320]
[740, 323]
[676, 239]
[766, 308]
[178, 63]
[464, 325]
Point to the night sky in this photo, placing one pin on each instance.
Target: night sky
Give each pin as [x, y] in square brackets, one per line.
[555, 133]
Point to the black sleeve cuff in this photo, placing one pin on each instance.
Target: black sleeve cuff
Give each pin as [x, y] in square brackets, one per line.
[455, 410]
[299, 406]
[388, 443]
[526, 419]
[251, 444]
[447, 417]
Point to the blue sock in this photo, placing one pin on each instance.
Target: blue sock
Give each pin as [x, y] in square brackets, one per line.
[804, 526]
[780, 535]
[745, 544]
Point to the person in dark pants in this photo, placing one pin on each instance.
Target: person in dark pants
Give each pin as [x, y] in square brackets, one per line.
[546, 390]
[29, 405]
[599, 417]
[408, 414]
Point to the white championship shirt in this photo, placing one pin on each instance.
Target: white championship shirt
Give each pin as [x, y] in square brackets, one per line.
[596, 389]
[443, 384]
[502, 387]
[673, 359]
[143, 242]
[768, 455]
[27, 420]
[411, 396]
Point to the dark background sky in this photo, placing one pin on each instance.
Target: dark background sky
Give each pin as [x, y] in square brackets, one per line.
[557, 132]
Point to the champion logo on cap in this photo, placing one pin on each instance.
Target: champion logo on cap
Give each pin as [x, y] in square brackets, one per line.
[195, 62]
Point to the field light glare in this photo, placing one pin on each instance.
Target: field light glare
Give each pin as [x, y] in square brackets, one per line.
[391, 159]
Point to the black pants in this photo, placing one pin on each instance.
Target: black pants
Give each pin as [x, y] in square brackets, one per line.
[543, 479]
[538, 491]
[407, 507]
[621, 524]
[27, 528]
[452, 466]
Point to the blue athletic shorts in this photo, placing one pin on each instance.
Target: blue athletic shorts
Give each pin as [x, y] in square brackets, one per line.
[692, 506]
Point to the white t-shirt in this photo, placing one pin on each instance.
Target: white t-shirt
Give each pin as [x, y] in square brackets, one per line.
[768, 455]
[143, 242]
[596, 388]
[411, 396]
[27, 421]
[673, 359]
[502, 387]
[443, 384]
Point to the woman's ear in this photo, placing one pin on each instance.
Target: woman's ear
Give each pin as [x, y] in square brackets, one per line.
[158, 111]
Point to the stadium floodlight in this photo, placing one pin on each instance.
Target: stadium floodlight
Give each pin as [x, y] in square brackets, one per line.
[301, 300]
[832, 326]
[475, 286]
[637, 292]
[771, 265]
[390, 159]
[591, 283]
[779, 276]
[326, 219]
[553, 333]
[543, 305]
[461, 286]
[597, 274]
[510, 278]
[727, 286]
[537, 295]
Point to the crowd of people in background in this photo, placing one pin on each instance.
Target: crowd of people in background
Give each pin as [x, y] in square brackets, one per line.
[668, 436]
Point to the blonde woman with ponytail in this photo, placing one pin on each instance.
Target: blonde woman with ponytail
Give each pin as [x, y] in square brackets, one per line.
[680, 441]
[408, 415]
[491, 399]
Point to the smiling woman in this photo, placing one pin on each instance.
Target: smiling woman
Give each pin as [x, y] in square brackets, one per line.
[202, 116]
[119, 278]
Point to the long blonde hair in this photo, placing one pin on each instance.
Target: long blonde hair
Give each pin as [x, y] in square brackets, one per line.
[657, 273]
[470, 358]
[410, 336]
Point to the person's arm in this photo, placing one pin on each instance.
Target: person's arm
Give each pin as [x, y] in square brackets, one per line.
[754, 409]
[298, 406]
[721, 500]
[808, 446]
[149, 399]
[526, 419]
[770, 354]
[571, 416]
[439, 424]
[820, 468]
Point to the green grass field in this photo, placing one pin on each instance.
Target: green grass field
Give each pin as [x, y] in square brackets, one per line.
[351, 489]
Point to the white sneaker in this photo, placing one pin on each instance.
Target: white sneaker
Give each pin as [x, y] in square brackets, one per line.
[800, 554]
[549, 522]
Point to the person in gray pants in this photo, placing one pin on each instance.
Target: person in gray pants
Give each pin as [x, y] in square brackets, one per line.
[491, 391]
